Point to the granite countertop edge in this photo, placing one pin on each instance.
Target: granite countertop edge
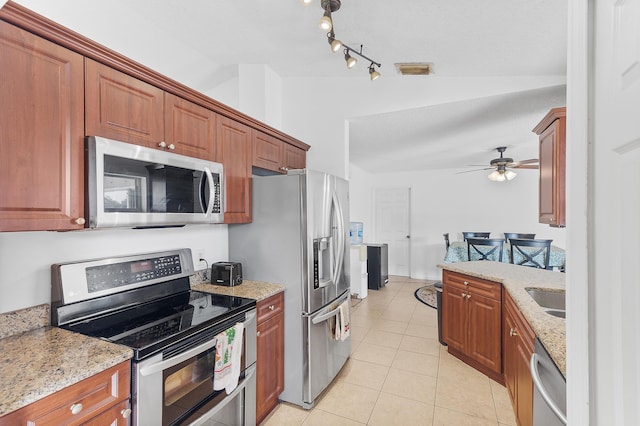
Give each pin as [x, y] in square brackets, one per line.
[257, 290]
[550, 330]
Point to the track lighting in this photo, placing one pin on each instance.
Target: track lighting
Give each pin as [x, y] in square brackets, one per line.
[351, 61]
[334, 42]
[373, 74]
[326, 24]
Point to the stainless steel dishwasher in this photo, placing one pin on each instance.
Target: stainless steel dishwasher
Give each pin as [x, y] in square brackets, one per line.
[549, 389]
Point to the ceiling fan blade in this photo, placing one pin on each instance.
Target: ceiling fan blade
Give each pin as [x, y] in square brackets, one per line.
[532, 160]
[475, 170]
[524, 166]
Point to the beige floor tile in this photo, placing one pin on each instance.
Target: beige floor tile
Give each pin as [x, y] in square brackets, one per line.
[445, 417]
[422, 330]
[358, 332]
[423, 314]
[286, 415]
[410, 385]
[364, 321]
[466, 397]
[383, 338]
[392, 410]
[389, 325]
[502, 401]
[323, 418]
[454, 369]
[420, 345]
[374, 353]
[350, 401]
[364, 374]
[397, 314]
[416, 363]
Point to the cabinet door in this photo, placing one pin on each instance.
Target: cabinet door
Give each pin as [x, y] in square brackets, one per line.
[41, 134]
[234, 151]
[267, 152]
[189, 129]
[552, 131]
[454, 318]
[269, 365]
[485, 326]
[294, 157]
[510, 354]
[121, 107]
[524, 385]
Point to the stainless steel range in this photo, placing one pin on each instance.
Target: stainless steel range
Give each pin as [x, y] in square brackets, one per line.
[145, 302]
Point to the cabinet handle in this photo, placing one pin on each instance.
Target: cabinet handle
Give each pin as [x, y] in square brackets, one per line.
[468, 296]
[172, 146]
[162, 144]
[465, 282]
[271, 307]
[464, 295]
[126, 413]
[79, 221]
[257, 334]
[76, 408]
[513, 332]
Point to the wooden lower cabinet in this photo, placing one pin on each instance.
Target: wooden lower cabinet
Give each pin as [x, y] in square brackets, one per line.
[472, 321]
[41, 134]
[270, 358]
[102, 399]
[518, 343]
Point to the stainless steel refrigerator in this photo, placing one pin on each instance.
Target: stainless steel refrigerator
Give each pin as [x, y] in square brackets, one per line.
[298, 238]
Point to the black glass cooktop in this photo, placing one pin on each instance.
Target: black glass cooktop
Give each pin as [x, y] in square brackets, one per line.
[152, 326]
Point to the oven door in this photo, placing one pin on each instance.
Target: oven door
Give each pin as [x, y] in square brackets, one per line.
[170, 387]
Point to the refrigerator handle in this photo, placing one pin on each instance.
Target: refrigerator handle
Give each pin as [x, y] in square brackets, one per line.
[339, 239]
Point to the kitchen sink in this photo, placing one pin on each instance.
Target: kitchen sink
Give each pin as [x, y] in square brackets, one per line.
[553, 302]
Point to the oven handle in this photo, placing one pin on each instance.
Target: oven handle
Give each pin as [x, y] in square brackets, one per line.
[249, 373]
[150, 369]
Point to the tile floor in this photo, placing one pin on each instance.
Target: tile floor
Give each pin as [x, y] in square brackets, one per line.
[399, 374]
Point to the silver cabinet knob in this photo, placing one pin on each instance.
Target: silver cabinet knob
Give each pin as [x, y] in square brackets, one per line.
[76, 408]
[172, 146]
[271, 307]
[126, 413]
[162, 144]
[79, 221]
[464, 295]
[465, 282]
[468, 296]
[257, 333]
[513, 332]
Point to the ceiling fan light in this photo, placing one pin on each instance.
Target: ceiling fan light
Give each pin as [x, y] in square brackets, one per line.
[306, 2]
[493, 176]
[510, 174]
[325, 22]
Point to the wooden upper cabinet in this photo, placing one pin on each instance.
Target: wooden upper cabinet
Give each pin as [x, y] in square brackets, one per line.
[552, 132]
[233, 148]
[189, 128]
[121, 107]
[273, 154]
[41, 134]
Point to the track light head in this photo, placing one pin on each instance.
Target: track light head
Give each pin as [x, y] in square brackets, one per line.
[334, 42]
[351, 61]
[373, 74]
[325, 22]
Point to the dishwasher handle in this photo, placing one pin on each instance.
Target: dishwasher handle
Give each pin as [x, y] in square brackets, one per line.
[537, 382]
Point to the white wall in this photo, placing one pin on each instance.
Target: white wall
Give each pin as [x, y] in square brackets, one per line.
[26, 257]
[443, 201]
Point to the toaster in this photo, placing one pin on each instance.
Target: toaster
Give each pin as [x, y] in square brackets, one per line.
[226, 273]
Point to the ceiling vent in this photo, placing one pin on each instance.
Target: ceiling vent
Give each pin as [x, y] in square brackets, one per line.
[414, 68]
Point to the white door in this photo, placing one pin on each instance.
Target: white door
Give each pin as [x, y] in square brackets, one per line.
[392, 226]
[614, 215]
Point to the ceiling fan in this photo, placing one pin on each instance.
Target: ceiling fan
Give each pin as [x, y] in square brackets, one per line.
[503, 166]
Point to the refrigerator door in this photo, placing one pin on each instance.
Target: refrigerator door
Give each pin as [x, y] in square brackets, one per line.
[325, 215]
[324, 353]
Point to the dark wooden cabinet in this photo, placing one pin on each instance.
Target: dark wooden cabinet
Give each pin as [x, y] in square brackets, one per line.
[273, 154]
[518, 343]
[552, 133]
[41, 134]
[270, 359]
[189, 129]
[121, 107]
[233, 147]
[472, 321]
[98, 400]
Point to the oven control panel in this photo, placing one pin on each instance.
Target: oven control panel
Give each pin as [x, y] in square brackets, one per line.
[77, 281]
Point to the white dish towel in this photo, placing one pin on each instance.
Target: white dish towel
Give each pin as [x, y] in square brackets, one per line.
[343, 322]
[228, 355]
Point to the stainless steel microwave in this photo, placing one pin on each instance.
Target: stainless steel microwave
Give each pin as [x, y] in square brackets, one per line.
[134, 186]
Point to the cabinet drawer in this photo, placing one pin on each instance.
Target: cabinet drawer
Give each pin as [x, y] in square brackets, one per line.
[88, 398]
[270, 307]
[473, 285]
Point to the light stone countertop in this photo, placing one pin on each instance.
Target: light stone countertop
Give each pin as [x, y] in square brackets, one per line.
[549, 329]
[251, 289]
[42, 361]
